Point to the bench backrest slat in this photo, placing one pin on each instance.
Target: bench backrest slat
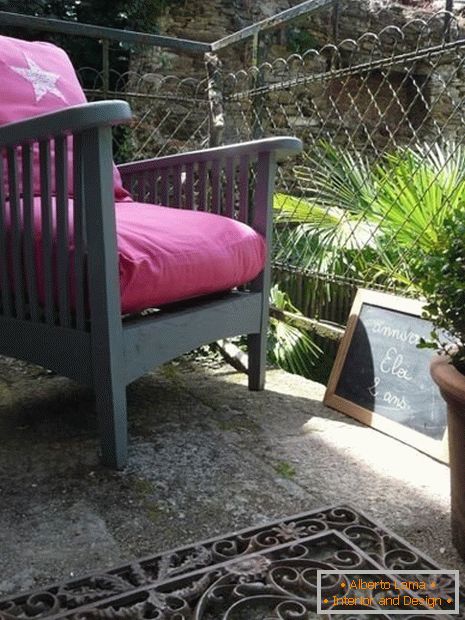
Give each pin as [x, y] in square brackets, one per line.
[80, 242]
[6, 293]
[16, 238]
[62, 215]
[46, 229]
[29, 232]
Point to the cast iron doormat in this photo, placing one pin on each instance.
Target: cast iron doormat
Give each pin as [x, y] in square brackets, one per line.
[264, 573]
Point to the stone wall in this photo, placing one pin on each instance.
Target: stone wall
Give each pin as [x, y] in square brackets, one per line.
[378, 109]
[210, 20]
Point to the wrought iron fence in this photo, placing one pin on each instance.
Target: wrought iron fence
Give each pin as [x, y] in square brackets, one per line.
[382, 121]
[170, 113]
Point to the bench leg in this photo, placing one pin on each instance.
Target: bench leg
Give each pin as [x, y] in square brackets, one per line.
[256, 347]
[110, 402]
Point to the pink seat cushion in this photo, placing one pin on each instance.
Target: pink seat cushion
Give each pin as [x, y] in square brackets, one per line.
[167, 255]
[37, 78]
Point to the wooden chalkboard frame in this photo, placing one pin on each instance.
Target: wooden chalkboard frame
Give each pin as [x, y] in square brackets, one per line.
[433, 447]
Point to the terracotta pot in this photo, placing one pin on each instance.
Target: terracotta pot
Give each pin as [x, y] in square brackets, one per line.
[452, 386]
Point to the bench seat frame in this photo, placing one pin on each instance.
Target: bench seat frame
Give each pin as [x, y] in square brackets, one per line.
[92, 343]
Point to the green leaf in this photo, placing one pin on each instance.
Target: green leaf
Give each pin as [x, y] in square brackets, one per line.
[288, 346]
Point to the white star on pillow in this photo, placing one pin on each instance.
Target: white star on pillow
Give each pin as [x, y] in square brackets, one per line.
[42, 81]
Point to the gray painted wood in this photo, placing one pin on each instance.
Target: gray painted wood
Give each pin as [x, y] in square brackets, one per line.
[61, 180]
[244, 170]
[80, 243]
[6, 293]
[164, 190]
[155, 340]
[189, 186]
[177, 187]
[152, 185]
[229, 200]
[69, 120]
[216, 186]
[66, 351]
[262, 223]
[145, 182]
[202, 172]
[16, 235]
[29, 233]
[283, 147]
[96, 348]
[104, 295]
[46, 229]
[138, 192]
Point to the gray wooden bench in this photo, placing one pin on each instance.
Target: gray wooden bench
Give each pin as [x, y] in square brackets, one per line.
[88, 340]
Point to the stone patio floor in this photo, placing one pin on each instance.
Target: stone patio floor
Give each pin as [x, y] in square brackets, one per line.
[206, 456]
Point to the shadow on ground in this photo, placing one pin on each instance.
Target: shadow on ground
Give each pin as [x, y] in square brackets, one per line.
[206, 456]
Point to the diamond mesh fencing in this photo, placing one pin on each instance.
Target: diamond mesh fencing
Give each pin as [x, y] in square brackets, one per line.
[170, 113]
[381, 119]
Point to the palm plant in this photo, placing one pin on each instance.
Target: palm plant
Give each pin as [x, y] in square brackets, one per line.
[417, 189]
[361, 221]
[368, 223]
[328, 231]
[289, 347]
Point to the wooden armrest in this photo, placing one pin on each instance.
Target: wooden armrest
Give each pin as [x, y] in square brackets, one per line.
[216, 179]
[66, 121]
[283, 147]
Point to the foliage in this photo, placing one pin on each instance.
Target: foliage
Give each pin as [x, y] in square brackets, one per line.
[417, 187]
[440, 274]
[285, 470]
[330, 231]
[397, 222]
[366, 222]
[337, 178]
[141, 15]
[135, 14]
[289, 347]
[299, 40]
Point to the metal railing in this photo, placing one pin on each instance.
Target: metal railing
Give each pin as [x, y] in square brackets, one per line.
[190, 118]
[101, 33]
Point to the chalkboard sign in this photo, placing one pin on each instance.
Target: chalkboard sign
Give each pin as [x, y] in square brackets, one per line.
[380, 376]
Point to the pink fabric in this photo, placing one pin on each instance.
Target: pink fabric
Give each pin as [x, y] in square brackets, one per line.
[167, 255]
[37, 78]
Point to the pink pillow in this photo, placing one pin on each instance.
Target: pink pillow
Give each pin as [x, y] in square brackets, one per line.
[36, 78]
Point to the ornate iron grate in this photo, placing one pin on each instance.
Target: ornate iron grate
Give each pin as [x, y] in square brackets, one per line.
[264, 573]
